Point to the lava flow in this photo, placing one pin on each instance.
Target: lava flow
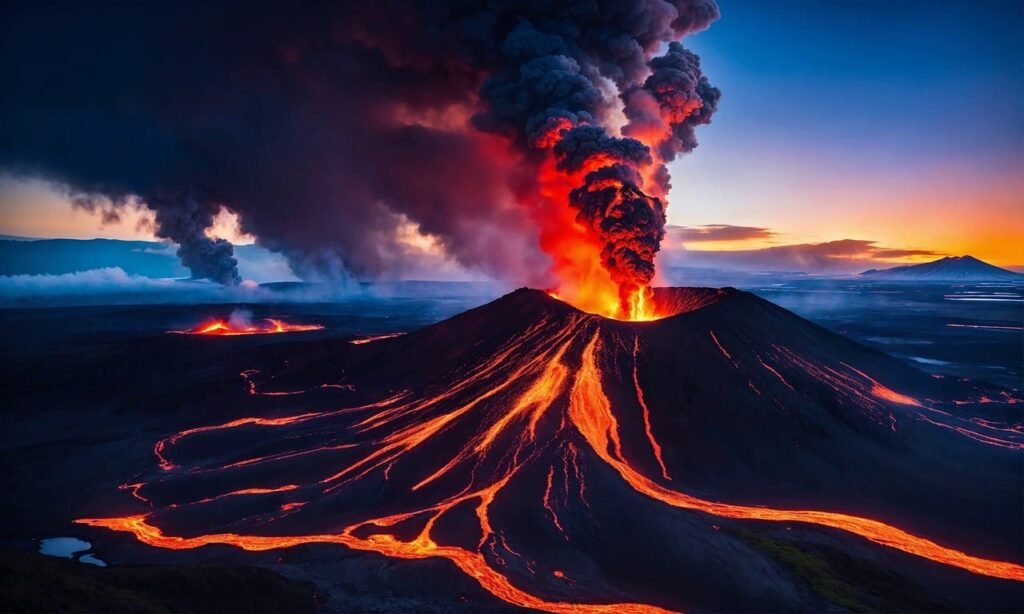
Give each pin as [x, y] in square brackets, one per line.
[229, 328]
[536, 425]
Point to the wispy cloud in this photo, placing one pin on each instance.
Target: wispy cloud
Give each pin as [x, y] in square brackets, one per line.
[885, 254]
[715, 233]
[841, 256]
[113, 286]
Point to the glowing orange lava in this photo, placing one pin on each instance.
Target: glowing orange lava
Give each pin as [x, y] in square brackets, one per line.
[593, 416]
[575, 250]
[268, 326]
[371, 339]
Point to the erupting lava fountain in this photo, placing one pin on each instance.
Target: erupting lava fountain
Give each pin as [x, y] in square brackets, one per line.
[570, 462]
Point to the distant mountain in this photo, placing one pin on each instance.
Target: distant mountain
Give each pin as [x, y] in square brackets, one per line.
[33, 256]
[953, 268]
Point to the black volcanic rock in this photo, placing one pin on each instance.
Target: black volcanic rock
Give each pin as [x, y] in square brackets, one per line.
[556, 456]
[952, 268]
[37, 583]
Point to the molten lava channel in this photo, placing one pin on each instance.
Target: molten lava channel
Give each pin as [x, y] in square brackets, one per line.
[533, 416]
[267, 326]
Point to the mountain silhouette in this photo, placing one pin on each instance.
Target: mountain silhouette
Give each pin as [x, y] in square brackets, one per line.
[952, 268]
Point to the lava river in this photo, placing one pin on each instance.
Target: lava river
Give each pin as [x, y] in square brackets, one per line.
[508, 450]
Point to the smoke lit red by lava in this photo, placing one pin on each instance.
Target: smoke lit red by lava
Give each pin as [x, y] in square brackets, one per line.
[227, 328]
[602, 215]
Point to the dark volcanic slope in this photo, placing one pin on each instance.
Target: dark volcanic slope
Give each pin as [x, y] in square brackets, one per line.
[731, 456]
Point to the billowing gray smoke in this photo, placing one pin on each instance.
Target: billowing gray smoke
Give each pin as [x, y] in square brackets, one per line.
[677, 94]
[184, 220]
[331, 128]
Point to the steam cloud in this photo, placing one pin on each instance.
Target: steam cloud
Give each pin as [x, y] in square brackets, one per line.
[331, 128]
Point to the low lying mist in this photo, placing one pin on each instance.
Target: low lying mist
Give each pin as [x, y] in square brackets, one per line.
[113, 286]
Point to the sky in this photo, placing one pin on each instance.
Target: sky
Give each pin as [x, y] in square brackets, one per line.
[899, 122]
[854, 132]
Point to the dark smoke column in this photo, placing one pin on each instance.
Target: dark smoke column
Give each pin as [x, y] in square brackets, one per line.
[184, 220]
[673, 101]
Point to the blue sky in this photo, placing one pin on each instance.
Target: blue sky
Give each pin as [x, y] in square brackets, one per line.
[845, 119]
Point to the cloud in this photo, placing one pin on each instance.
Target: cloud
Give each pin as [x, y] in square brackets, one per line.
[113, 285]
[95, 280]
[841, 256]
[886, 254]
[714, 232]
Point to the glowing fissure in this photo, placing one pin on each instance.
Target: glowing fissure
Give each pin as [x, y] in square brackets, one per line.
[655, 447]
[267, 326]
[287, 455]
[883, 392]
[843, 384]
[721, 348]
[982, 431]
[371, 339]
[240, 492]
[549, 503]
[877, 400]
[249, 377]
[536, 403]
[776, 373]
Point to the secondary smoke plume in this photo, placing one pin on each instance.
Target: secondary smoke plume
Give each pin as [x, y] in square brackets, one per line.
[184, 221]
[337, 131]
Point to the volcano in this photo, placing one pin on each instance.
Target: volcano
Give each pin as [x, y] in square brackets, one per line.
[728, 455]
[951, 268]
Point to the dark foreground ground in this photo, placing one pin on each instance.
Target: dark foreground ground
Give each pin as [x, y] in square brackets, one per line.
[36, 583]
[88, 391]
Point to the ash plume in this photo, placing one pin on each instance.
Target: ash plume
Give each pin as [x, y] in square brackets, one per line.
[673, 101]
[333, 130]
[184, 220]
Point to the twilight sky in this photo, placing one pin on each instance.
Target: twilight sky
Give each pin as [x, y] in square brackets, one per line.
[900, 122]
[898, 125]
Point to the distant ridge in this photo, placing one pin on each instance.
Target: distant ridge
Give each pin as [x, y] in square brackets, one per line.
[21, 256]
[952, 268]
[39, 256]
